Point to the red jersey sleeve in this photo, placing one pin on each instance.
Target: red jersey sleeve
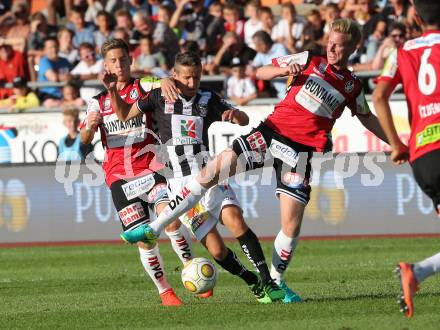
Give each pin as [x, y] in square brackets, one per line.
[390, 72]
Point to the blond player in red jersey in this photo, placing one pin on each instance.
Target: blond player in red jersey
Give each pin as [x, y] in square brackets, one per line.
[131, 173]
[300, 125]
[417, 67]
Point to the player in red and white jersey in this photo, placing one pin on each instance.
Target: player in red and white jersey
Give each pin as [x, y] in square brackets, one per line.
[299, 126]
[417, 67]
[132, 174]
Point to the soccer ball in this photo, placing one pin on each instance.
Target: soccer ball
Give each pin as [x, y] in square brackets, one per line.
[199, 275]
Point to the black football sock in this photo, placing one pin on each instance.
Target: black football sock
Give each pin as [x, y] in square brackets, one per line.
[231, 264]
[252, 249]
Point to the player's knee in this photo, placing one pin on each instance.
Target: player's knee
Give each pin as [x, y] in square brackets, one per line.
[232, 218]
[218, 252]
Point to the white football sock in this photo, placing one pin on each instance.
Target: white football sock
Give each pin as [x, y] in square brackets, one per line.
[184, 201]
[283, 248]
[427, 267]
[181, 243]
[153, 265]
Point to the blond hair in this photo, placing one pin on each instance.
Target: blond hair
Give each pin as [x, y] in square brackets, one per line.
[349, 27]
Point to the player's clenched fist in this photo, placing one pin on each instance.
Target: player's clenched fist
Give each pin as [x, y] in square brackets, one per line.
[400, 154]
[294, 70]
[109, 79]
[94, 118]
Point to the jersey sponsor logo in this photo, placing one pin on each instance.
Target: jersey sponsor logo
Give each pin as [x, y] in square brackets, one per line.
[107, 105]
[169, 107]
[430, 134]
[284, 152]
[158, 192]
[429, 110]
[425, 41]
[294, 180]
[349, 86]
[179, 198]
[114, 126]
[134, 94]
[258, 147]
[187, 129]
[196, 217]
[184, 247]
[321, 69]
[319, 97]
[155, 266]
[139, 186]
[132, 213]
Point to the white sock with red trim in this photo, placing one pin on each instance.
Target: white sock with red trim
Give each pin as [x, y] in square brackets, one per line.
[427, 267]
[283, 248]
[181, 243]
[153, 265]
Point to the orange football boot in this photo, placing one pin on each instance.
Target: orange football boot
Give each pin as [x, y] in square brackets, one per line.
[169, 298]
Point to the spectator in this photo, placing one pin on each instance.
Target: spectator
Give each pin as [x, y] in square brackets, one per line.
[373, 42]
[233, 23]
[216, 9]
[149, 61]
[87, 69]
[66, 49]
[233, 46]
[104, 31]
[289, 29]
[71, 96]
[395, 39]
[52, 68]
[40, 30]
[12, 65]
[136, 6]
[121, 33]
[396, 11]
[239, 88]
[70, 147]
[190, 46]
[313, 32]
[123, 21]
[192, 21]
[332, 12]
[215, 30]
[253, 24]
[97, 6]
[266, 17]
[368, 17]
[155, 6]
[19, 32]
[143, 27]
[164, 37]
[83, 31]
[266, 51]
[22, 98]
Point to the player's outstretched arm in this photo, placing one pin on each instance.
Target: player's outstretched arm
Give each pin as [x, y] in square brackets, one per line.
[372, 124]
[381, 95]
[123, 110]
[269, 72]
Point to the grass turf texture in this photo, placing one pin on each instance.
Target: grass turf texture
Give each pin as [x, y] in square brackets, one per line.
[346, 284]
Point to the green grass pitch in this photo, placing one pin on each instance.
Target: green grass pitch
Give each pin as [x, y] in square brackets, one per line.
[346, 284]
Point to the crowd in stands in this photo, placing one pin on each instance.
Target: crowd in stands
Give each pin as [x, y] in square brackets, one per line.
[60, 40]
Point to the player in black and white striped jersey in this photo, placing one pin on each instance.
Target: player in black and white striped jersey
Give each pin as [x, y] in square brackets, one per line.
[183, 126]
